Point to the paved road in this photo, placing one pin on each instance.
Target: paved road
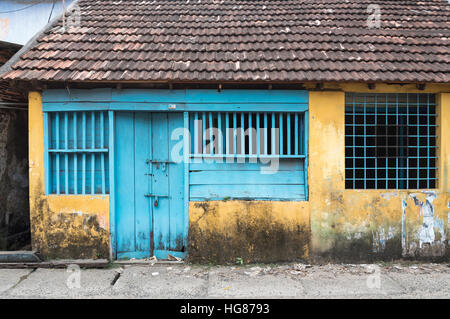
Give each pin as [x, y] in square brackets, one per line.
[260, 281]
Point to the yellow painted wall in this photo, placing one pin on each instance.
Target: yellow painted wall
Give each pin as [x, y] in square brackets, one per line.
[62, 226]
[365, 224]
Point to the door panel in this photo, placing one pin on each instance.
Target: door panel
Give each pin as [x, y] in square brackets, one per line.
[142, 171]
[124, 184]
[160, 182]
[176, 182]
[149, 187]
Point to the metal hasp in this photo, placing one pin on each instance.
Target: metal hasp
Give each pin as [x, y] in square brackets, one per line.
[162, 163]
[156, 202]
[158, 162]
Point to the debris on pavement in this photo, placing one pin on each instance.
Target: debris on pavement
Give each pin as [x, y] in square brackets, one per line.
[173, 258]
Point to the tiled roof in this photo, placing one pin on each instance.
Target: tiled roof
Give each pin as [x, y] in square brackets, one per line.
[7, 93]
[245, 40]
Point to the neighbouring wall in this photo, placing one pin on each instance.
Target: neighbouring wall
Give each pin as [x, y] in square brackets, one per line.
[14, 203]
[74, 226]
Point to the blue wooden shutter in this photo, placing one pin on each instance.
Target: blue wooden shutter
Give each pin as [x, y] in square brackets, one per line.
[76, 149]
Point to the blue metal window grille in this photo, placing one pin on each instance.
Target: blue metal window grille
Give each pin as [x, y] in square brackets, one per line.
[77, 152]
[248, 134]
[390, 141]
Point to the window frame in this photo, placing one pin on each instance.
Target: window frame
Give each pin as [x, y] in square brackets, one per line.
[97, 153]
[405, 106]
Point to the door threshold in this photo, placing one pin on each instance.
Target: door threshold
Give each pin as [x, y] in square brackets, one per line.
[148, 262]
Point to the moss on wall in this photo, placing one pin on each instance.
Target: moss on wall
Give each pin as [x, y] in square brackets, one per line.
[62, 226]
[66, 234]
[254, 231]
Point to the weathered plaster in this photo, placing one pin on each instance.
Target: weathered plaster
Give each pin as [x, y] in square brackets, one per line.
[370, 224]
[256, 231]
[70, 226]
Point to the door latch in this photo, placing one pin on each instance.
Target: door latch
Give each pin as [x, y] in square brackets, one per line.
[158, 163]
[156, 201]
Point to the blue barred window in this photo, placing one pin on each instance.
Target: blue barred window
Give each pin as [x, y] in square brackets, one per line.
[77, 152]
[248, 134]
[229, 149]
[390, 141]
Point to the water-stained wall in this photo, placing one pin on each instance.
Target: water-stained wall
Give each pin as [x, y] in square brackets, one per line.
[248, 231]
[75, 226]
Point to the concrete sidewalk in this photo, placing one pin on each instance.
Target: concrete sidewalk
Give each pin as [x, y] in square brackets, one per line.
[253, 281]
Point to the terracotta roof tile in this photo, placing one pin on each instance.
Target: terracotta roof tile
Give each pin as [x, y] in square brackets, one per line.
[245, 40]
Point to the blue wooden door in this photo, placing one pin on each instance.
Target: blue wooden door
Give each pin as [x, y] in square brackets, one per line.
[149, 187]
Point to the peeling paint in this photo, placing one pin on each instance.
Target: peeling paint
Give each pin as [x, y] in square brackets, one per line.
[426, 232]
[388, 196]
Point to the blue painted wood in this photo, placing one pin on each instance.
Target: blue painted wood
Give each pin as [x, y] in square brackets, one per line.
[76, 106]
[306, 151]
[47, 165]
[149, 96]
[266, 134]
[281, 151]
[76, 95]
[125, 183]
[73, 142]
[289, 134]
[258, 134]
[203, 133]
[268, 192]
[242, 130]
[167, 106]
[285, 165]
[132, 255]
[235, 133]
[246, 96]
[177, 96]
[176, 213]
[211, 134]
[142, 181]
[112, 195]
[150, 172]
[186, 149]
[176, 100]
[160, 182]
[253, 177]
